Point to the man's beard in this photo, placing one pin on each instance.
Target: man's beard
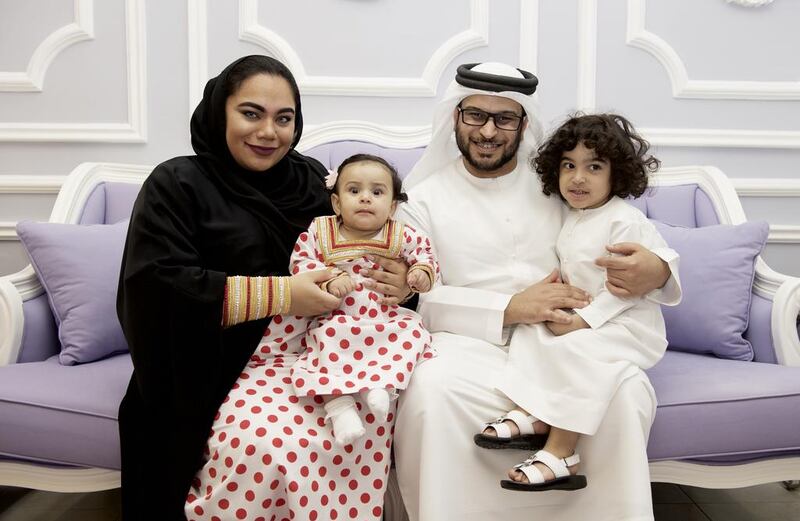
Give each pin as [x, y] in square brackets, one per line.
[510, 153]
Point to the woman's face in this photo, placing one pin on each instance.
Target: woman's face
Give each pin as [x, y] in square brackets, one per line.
[259, 122]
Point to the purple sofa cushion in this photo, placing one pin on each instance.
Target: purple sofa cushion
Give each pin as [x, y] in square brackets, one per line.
[64, 415]
[717, 267]
[79, 269]
[710, 408]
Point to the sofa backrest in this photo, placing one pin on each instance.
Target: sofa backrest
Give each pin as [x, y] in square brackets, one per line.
[683, 204]
[109, 203]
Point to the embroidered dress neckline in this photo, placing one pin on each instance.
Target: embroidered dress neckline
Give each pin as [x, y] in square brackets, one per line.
[333, 247]
[378, 237]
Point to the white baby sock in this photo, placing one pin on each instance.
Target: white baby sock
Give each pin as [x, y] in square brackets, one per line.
[342, 413]
[378, 402]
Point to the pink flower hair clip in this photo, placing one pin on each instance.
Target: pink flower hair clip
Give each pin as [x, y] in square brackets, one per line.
[330, 179]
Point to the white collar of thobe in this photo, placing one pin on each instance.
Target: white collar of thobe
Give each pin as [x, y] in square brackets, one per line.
[586, 212]
[496, 183]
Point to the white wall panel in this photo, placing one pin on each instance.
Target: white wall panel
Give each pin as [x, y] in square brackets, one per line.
[708, 82]
[360, 57]
[705, 40]
[96, 92]
[31, 44]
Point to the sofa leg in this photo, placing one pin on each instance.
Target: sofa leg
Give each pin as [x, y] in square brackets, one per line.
[791, 485]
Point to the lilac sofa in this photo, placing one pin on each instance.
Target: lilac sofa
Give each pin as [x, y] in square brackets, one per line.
[720, 423]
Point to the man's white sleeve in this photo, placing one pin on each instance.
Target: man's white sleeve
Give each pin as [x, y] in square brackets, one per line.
[476, 313]
[470, 312]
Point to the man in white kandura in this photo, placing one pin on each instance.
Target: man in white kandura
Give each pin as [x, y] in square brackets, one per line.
[494, 232]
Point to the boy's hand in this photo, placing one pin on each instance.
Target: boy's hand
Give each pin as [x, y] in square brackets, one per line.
[576, 322]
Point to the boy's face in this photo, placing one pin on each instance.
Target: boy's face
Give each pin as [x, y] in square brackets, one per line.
[583, 178]
[364, 198]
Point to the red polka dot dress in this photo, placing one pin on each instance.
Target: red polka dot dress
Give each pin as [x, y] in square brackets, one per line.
[363, 344]
[271, 455]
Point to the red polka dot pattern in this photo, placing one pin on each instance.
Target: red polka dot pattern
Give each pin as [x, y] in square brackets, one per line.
[272, 474]
[271, 455]
[363, 344]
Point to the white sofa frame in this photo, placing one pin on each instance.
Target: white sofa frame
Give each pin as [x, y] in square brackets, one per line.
[783, 290]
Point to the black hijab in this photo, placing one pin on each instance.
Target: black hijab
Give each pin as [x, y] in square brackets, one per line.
[284, 198]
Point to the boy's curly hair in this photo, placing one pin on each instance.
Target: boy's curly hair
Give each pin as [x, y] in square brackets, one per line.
[397, 183]
[612, 137]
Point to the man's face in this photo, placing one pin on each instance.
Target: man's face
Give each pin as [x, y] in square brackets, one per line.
[489, 151]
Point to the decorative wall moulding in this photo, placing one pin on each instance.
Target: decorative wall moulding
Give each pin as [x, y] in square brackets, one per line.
[8, 231]
[702, 137]
[30, 184]
[383, 135]
[198, 50]
[477, 35]
[529, 35]
[32, 80]
[684, 87]
[784, 234]
[132, 131]
[768, 187]
[587, 55]
[750, 3]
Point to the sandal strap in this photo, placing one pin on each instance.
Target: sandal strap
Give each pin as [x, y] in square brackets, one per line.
[556, 464]
[534, 475]
[524, 421]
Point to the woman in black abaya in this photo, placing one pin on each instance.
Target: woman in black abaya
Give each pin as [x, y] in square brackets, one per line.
[204, 269]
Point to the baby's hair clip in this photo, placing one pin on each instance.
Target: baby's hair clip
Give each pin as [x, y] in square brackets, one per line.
[330, 179]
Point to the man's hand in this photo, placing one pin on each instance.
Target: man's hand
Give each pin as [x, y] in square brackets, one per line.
[307, 298]
[634, 272]
[341, 286]
[390, 281]
[575, 323]
[545, 301]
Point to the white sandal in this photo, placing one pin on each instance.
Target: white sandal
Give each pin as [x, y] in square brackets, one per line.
[536, 481]
[527, 439]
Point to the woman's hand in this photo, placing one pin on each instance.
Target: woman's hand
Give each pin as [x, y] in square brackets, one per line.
[307, 297]
[390, 281]
[634, 272]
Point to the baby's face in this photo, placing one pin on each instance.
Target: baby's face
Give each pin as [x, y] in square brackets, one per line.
[363, 198]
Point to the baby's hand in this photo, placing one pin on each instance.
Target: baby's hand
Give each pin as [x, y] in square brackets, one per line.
[418, 281]
[341, 286]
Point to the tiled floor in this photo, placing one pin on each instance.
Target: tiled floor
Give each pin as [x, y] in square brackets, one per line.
[18, 504]
[769, 502]
[671, 503]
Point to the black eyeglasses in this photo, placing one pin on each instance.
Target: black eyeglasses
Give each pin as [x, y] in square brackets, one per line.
[502, 120]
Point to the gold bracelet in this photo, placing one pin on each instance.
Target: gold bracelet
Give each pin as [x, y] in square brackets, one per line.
[408, 297]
